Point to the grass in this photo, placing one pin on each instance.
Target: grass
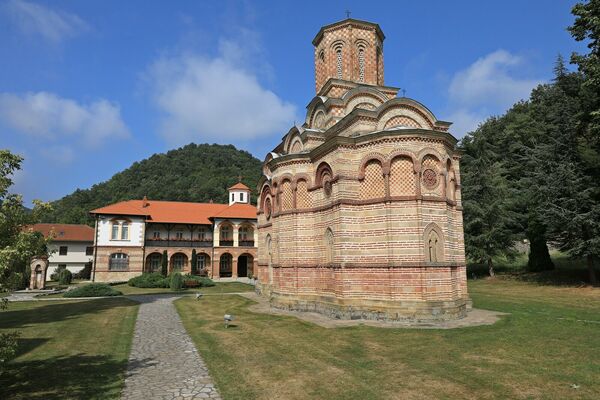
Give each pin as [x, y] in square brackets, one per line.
[550, 340]
[567, 272]
[68, 350]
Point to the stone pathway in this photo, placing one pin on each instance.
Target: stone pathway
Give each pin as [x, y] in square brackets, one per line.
[163, 363]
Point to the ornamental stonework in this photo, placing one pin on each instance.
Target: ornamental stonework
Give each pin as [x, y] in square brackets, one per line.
[360, 212]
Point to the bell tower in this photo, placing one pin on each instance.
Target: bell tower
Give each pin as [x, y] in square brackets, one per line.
[350, 50]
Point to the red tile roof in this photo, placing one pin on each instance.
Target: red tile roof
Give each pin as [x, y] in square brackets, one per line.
[177, 212]
[238, 210]
[65, 232]
[239, 186]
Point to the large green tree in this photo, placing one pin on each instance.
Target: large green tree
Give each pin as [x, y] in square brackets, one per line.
[17, 244]
[489, 220]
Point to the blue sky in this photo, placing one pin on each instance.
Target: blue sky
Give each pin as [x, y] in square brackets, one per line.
[89, 87]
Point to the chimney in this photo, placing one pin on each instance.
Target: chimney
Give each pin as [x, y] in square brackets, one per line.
[145, 202]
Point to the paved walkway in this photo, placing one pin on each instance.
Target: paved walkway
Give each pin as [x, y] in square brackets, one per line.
[475, 317]
[163, 363]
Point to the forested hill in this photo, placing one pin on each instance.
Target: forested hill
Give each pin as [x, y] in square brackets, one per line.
[196, 172]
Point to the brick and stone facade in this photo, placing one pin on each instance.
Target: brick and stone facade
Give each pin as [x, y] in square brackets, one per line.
[132, 236]
[360, 210]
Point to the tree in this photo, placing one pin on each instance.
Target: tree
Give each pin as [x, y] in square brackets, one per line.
[17, 244]
[196, 172]
[194, 262]
[164, 264]
[488, 219]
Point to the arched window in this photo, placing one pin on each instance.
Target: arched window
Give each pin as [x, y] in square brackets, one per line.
[246, 236]
[269, 247]
[226, 235]
[322, 56]
[338, 61]
[434, 244]
[202, 261]
[154, 262]
[118, 262]
[329, 243]
[119, 230]
[225, 265]
[179, 261]
[361, 64]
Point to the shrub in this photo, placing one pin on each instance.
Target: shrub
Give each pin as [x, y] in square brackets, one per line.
[93, 290]
[85, 273]
[54, 276]
[152, 280]
[176, 281]
[202, 281]
[65, 277]
[191, 283]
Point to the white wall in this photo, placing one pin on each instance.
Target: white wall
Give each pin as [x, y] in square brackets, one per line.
[136, 232]
[75, 259]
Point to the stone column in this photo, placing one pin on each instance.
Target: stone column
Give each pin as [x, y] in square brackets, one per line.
[234, 266]
[236, 242]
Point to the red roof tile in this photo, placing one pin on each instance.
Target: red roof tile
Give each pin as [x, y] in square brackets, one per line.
[175, 211]
[239, 186]
[238, 210]
[65, 232]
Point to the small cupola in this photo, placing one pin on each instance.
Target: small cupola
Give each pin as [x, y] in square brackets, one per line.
[239, 193]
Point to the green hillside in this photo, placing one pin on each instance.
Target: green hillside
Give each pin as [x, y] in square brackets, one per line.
[196, 172]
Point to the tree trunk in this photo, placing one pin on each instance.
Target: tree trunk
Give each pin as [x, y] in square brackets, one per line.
[592, 272]
[539, 256]
[491, 268]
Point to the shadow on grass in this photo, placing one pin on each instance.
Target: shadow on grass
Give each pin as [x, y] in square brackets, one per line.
[70, 377]
[15, 318]
[566, 272]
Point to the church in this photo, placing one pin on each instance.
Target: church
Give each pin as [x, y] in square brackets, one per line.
[359, 209]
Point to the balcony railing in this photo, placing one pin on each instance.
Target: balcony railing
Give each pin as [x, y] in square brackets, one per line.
[225, 242]
[178, 243]
[246, 243]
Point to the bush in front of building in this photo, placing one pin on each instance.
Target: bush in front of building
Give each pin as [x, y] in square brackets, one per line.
[65, 277]
[151, 280]
[176, 283]
[201, 281]
[93, 290]
[85, 273]
[54, 276]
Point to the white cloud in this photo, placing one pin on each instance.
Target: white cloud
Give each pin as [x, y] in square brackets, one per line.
[48, 116]
[216, 99]
[489, 86]
[52, 25]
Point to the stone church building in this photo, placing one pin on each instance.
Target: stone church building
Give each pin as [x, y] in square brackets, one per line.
[359, 214]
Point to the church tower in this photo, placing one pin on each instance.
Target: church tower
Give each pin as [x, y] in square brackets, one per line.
[349, 50]
[359, 209]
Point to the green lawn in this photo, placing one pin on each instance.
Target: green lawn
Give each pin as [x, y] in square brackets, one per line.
[68, 350]
[550, 340]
